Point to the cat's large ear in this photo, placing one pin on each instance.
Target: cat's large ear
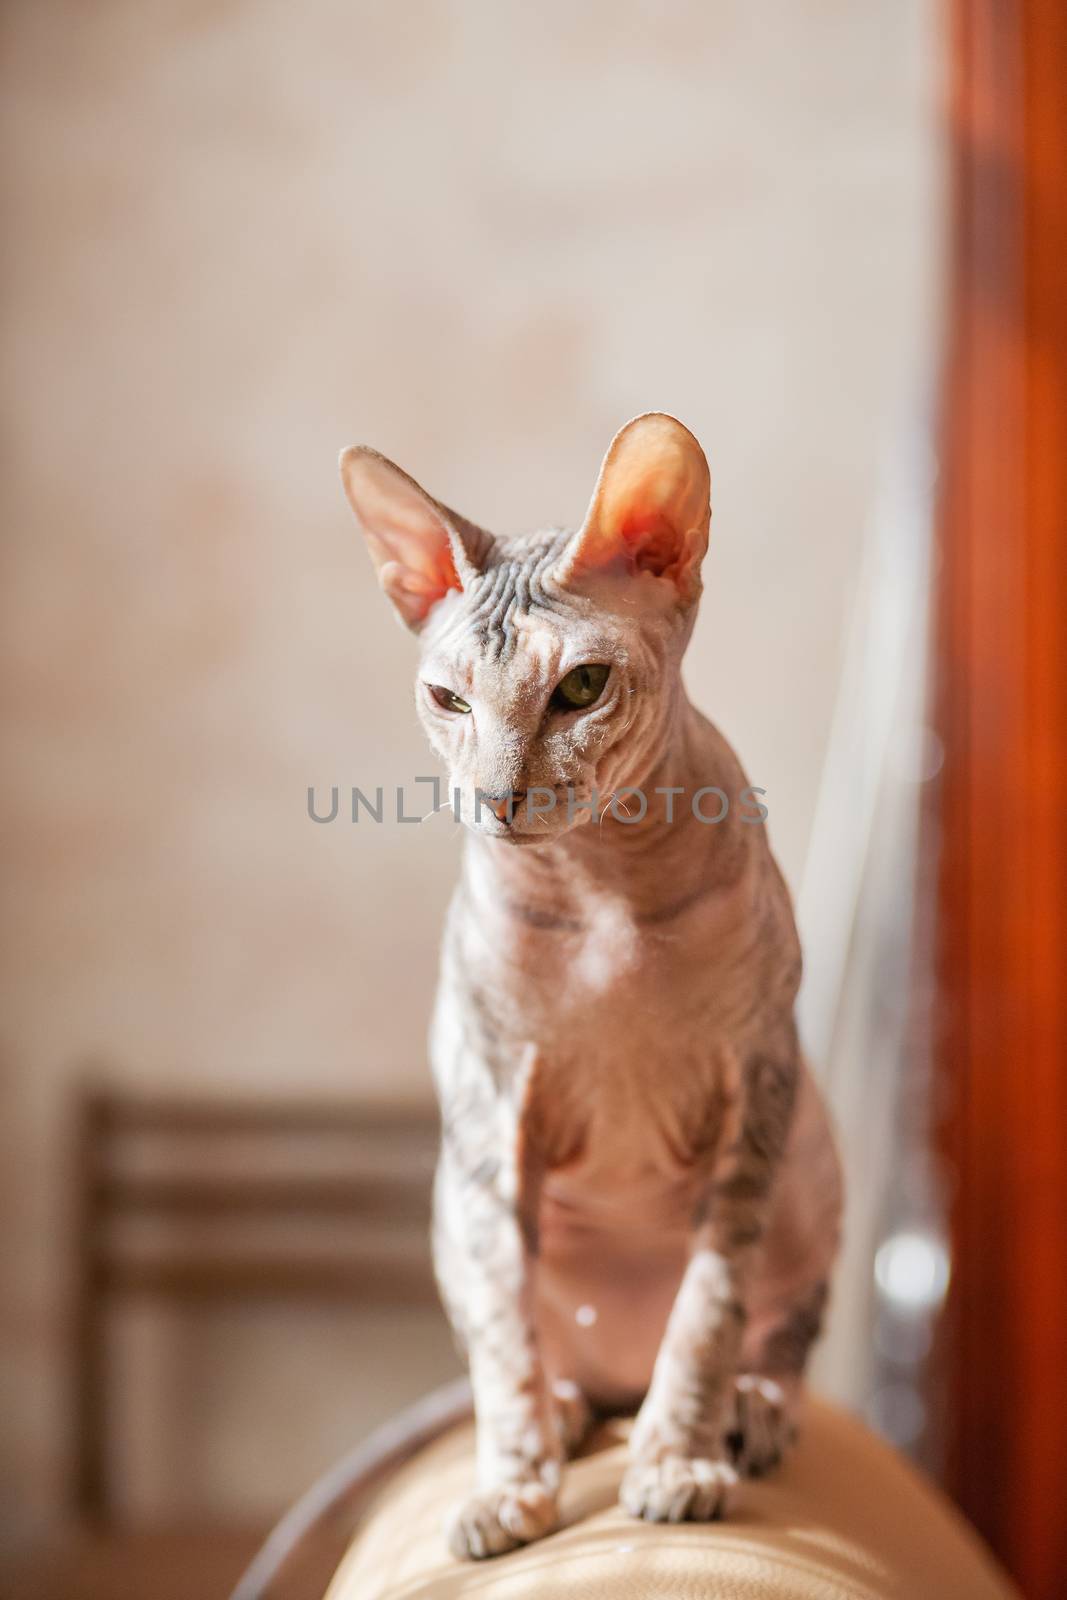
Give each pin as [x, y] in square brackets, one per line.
[651, 508]
[420, 549]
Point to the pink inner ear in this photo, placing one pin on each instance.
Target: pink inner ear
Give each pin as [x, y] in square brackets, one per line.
[430, 566]
[651, 541]
[414, 589]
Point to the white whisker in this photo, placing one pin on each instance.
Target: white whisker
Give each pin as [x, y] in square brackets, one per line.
[432, 813]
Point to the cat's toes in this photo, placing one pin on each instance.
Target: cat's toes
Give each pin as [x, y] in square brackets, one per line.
[501, 1519]
[678, 1489]
[573, 1412]
[762, 1428]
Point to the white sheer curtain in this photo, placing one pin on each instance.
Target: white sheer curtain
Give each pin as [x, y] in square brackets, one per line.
[860, 916]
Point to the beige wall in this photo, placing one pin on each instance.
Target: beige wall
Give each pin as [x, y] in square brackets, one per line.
[479, 236]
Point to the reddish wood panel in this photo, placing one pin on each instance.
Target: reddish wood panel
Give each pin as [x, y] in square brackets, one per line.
[1002, 653]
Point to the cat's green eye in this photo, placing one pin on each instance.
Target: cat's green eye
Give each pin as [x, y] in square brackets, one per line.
[447, 700]
[580, 687]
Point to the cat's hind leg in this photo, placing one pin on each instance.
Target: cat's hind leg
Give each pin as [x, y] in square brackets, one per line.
[574, 1414]
[763, 1423]
[767, 1392]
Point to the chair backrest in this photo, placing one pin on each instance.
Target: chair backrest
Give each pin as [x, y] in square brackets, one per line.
[193, 1200]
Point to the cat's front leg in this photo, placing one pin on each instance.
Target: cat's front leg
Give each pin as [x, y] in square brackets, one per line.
[680, 1464]
[485, 1272]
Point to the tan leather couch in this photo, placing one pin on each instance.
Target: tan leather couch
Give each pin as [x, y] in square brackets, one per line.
[844, 1519]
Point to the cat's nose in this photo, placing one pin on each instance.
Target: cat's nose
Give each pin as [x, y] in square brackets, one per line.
[504, 806]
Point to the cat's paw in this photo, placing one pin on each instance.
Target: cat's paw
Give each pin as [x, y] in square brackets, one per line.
[762, 1427]
[498, 1520]
[678, 1489]
[574, 1415]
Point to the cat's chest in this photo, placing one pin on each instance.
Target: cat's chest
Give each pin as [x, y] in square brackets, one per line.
[601, 997]
[607, 985]
[615, 1043]
[606, 957]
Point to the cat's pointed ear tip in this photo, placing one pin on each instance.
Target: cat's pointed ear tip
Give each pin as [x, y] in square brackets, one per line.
[361, 467]
[660, 420]
[352, 455]
[658, 416]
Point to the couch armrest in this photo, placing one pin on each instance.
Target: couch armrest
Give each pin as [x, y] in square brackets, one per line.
[845, 1519]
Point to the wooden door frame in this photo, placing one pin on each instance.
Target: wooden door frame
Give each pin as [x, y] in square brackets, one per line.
[1001, 653]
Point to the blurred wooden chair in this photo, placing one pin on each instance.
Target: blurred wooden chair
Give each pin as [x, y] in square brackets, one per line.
[200, 1200]
[187, 1201]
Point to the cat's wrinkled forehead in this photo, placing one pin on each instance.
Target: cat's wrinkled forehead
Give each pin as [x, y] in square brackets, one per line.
[509, 607]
